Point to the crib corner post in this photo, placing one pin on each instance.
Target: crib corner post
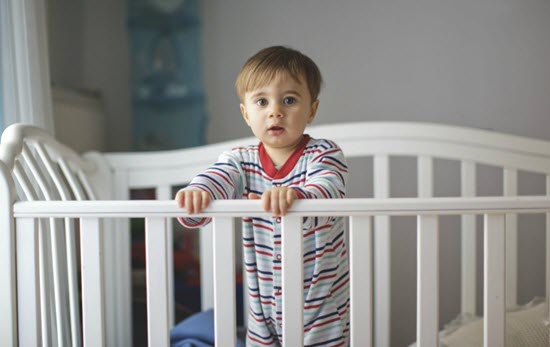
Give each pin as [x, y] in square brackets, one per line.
[8, 297]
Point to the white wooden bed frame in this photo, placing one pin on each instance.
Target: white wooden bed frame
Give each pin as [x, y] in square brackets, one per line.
[39, 270]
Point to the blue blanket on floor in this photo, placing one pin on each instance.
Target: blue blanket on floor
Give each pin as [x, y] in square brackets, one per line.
[195, 331]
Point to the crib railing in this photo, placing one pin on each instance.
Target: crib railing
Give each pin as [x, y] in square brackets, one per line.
[360, 213]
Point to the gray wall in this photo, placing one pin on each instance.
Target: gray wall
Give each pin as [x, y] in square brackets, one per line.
[477, 63]
[89, 49]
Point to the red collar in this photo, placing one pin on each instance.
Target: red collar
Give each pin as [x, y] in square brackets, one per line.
[270, 169]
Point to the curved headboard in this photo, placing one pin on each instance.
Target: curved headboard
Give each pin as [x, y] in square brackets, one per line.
[359, 139]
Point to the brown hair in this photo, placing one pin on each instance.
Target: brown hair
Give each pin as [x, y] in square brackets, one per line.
[271, 62]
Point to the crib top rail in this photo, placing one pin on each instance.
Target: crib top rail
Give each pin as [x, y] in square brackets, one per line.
[320, 207]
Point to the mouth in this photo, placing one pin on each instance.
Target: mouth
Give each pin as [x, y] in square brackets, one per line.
[275, 130]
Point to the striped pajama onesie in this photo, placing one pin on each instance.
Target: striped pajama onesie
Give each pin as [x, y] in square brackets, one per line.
[316, 170]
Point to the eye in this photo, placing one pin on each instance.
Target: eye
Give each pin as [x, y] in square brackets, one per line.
[289, 100]
[261, 102]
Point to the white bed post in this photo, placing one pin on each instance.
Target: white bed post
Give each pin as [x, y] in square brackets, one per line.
[165, 193]
[206, 239]
[494, 287]
[427, 295]
[8, 295]
[28, 279]
[158, 316]
[292, 281]
[382, 256]
[361, 281]
[120, 273]
[224, 284]
[118, 318]
[468, 242]
[510, 182]
[93, 291]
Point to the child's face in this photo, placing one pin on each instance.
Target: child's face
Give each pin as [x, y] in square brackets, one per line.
[278, 112]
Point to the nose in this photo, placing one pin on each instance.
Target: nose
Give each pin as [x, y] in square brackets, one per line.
[276, 111]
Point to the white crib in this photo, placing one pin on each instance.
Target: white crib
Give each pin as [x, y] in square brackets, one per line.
[45, 187]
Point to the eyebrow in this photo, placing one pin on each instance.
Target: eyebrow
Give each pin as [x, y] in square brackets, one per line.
[258, 94]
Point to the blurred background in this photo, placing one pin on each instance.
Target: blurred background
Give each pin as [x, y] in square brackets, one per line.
[158, 74]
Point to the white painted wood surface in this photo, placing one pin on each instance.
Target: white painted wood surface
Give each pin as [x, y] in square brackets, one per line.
[427, 282]
[427, 287]
[28, 283]
[8, 292]
[224, 282]
[68, 286]
[93, 291]
[380, 140]
[156, 244]
[468, 253]
[120, 297]
[206, 239]
[494, 285]
[382, 255]
[510, 188]
[164, 192]
[361, 281]
[293, 281]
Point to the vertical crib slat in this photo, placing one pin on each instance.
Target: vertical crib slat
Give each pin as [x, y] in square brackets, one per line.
[206, 240]
[293, 281]
[510, 182]
[494, 286]
[93, 295]
[224, 282]
[165, 193]
[120, 278]
[382, 258]
[156, 243]
[468, 242]
[52, 272]
[361, 281]
[70, 245]
[8, 260]
[45, 283]
[427, 295]
[28, 280]
[427, 304]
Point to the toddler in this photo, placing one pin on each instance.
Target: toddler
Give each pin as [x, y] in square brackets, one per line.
[278, 89]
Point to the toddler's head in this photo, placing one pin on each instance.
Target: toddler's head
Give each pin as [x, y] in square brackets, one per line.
[272, 62]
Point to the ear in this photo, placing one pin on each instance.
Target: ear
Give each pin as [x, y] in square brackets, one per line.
[314, 107]
[244, 113]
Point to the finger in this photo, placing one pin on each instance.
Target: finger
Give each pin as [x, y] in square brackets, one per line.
[253, 196]
[180, 198]
[275, 203]
[290, 197]
[189, 201]
[286, 201]
[205, 200]
[197, 202]
[283, 204]
[266, 200]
